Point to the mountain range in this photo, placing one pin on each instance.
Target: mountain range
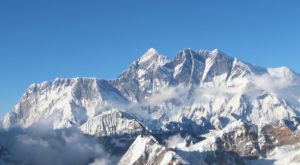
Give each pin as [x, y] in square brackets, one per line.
[200, 107]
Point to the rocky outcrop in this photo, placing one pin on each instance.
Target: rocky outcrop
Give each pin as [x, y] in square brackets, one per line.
[272, 137]
[243, 140]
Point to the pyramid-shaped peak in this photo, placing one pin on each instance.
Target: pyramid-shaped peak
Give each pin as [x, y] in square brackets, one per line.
[152, 50]
[150, 54]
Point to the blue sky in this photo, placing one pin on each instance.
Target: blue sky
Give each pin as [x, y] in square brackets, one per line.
[41, 40]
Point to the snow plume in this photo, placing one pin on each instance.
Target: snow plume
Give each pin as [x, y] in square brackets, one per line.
[174, 141]
[38, 145]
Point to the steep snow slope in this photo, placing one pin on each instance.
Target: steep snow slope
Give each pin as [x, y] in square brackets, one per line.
[112, 123]
[64, 102]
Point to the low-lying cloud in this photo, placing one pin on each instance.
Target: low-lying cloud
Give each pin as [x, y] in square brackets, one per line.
[166, 94]
[171, 100]
[174, 141]
[271, 83]
[38, 145]
[286, 88]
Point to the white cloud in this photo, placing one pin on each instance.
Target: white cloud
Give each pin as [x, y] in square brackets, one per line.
[271, 83]
[174, 141]
[166, 94]
[100, 162]
[283, 87]
[40, 145]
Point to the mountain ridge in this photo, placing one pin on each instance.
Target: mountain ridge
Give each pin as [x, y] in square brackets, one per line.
[144, 78]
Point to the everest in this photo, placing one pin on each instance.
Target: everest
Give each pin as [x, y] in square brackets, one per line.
[200, 107]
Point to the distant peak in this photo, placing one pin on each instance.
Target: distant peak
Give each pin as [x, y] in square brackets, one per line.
[150, 54]
[152, 50]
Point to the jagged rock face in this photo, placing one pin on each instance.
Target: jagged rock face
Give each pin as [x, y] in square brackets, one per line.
[112, 123]
[182, 70]
[232, 145]
[247, 141]
[226, 147]
[223, 158]
[238, 137]
[272, 136]
[238, 143]
[242, 140]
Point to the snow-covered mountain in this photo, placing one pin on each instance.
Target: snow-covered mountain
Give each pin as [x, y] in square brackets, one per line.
[195, 94]
[64, 102]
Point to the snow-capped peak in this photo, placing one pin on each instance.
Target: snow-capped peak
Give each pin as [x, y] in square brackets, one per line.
[153, 50]
[149, 55]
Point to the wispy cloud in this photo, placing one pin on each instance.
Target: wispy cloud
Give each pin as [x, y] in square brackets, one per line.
[174, 141]
[166, 94]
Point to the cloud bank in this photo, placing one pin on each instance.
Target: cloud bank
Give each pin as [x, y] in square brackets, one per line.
[39, 145]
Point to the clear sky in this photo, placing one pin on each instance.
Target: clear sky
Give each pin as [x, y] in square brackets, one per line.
[44, 39]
